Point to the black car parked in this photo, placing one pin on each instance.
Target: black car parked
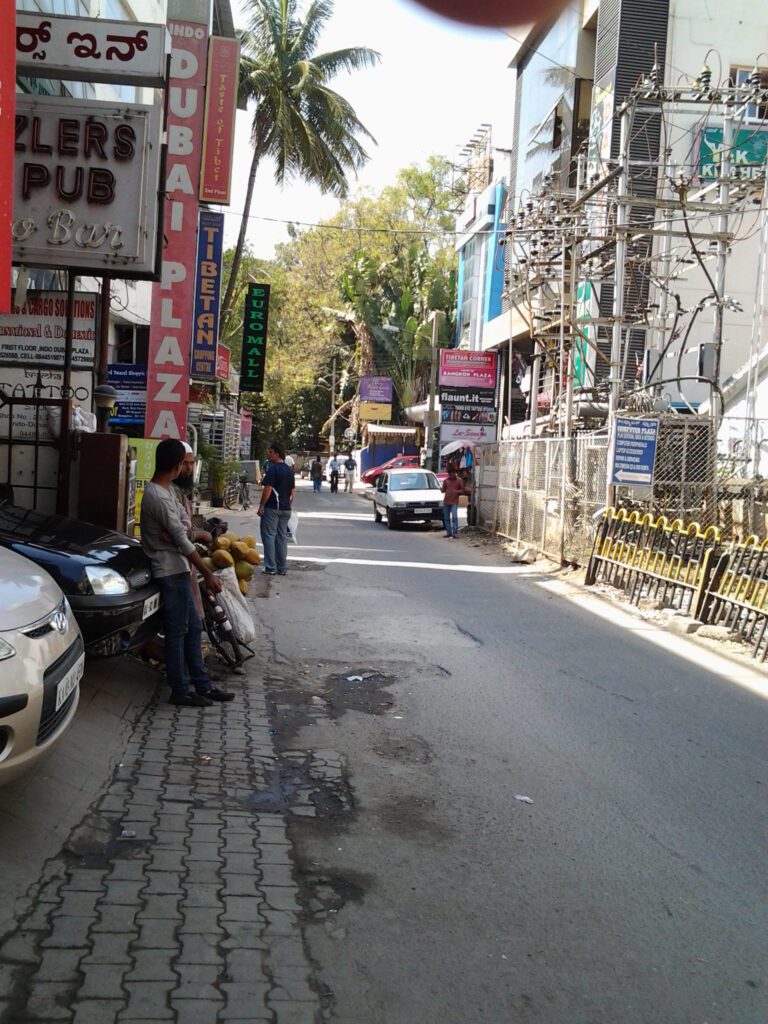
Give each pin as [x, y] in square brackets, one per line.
[105, 575]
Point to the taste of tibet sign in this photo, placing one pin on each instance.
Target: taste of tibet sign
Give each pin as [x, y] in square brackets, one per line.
[86, 185]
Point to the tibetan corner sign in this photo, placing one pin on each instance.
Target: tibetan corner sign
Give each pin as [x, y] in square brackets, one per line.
[91, 50]
[86, 185]
[255, 321]
[633, 451]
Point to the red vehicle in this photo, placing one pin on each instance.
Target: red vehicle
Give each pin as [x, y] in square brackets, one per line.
[370, 476]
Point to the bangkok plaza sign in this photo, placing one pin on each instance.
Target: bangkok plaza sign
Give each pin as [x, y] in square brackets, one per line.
[86, 185]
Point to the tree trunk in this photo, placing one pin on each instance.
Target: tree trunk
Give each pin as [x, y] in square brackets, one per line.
[241, 237]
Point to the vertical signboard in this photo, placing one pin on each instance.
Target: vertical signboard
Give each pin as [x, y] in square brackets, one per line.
[130, 382]
[255, 321]
[467, 396]
[220, 107]
[170, 336]
[223, 363]
[144, 451]
[205, 331]
[7, 119]
[375, 398]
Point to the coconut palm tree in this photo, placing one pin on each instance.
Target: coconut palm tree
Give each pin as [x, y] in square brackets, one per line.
[308, 130]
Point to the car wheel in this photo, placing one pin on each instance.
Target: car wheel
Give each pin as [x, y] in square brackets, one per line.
[376, 514]
[392, 522]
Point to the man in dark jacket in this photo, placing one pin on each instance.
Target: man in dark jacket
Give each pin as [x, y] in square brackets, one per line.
[275, 510]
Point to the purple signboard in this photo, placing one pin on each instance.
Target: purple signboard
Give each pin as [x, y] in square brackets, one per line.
[376, 389]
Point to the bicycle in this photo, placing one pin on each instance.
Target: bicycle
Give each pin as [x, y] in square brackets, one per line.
[239, 499]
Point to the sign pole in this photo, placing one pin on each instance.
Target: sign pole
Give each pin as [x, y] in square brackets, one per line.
[62, 496]
[429, 441]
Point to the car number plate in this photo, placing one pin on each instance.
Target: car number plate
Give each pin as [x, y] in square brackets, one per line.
[70, 681]
[150, 606]
[422, 510]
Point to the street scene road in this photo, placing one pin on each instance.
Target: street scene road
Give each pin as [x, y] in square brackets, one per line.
[545, 816]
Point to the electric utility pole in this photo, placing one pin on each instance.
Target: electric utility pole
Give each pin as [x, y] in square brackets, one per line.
[429, 440]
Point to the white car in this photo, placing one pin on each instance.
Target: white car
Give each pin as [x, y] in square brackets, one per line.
[412, 495]
[41, 664]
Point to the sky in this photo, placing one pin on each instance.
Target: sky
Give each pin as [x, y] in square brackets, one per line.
[436, 83]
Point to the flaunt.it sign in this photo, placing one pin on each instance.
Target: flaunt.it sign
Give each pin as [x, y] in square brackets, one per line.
[255, 321]
[170, 338]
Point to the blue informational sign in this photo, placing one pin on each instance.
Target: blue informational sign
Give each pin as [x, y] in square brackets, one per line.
[634, 452]
[205, 327]
[130, 382]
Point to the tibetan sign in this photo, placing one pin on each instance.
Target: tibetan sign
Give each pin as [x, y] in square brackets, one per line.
[205, 332]
[219, 132]
[32, 334]
[223, 363]
[255, 322]
[86, 185]
[462, 369]
[130, 382]
[375, 398]
[633, 451]
[91, 50]
[7, 123]
[170, 336]
[748, 153]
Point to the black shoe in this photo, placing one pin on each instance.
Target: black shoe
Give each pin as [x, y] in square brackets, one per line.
[269, 572]
[191, 700]
[282, 572]
[220, 696]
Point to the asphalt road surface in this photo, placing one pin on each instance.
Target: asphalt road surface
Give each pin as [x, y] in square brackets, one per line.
[628, 887]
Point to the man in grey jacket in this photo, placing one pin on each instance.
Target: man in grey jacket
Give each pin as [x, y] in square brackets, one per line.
[165, 539]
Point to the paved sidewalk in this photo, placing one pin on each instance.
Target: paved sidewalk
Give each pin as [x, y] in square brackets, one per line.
[174, 900]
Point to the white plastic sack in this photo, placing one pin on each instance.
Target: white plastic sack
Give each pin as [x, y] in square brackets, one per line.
[293, 527]
[234, 604]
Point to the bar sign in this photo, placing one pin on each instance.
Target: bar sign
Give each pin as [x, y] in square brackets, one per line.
[255, 321]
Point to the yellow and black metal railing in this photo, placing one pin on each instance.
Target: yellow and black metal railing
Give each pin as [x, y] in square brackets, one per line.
[652, 558]
[737, 595]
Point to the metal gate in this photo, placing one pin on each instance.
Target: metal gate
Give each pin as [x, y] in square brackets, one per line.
[35, 452]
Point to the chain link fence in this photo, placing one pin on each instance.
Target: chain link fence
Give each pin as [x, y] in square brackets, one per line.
[549, 492]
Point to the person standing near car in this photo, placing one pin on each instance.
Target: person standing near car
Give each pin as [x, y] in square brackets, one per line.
[452, 488]
[350, 468]
[334, 468]
[165, 539]
[316, 474]
[275, 510]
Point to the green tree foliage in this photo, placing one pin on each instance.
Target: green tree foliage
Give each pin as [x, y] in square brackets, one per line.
[360, 288]
[307, 129]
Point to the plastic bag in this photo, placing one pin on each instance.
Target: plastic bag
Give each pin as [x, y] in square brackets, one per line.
[236, 607]
[293, 527]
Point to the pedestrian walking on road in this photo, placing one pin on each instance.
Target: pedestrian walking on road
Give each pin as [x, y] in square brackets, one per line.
[316, 474]
[350, 468]
[452, 488]
[334, 468]
[165, 539]
[275, 510]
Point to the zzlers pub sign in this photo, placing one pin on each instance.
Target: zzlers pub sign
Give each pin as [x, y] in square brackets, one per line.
[255, 320]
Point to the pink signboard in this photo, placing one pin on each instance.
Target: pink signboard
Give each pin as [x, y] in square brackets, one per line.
[462, 369]
[223, 362]
[170, 337]
[220, 106]
[7, 112]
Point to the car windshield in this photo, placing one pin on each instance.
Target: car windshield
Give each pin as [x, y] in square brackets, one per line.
[413, 482]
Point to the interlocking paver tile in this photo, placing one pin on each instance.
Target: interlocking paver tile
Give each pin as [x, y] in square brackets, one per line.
[97, 1011]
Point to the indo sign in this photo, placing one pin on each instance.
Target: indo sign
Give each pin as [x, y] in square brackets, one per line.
[91, 50]
[170, 338]
[86, 185]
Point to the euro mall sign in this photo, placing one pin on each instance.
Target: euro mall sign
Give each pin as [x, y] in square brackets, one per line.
[86, 185]
[91, 50]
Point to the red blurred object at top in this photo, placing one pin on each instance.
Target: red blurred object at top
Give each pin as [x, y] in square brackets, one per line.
[495, 13]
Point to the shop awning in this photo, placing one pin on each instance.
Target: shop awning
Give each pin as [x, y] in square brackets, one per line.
[380, 429]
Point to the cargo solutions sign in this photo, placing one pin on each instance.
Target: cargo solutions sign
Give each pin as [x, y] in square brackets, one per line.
[32, 335]
[170, 339]
[86, 184]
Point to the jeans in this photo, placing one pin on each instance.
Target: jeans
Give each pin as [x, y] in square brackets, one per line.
[183, 632]
[317, 484]
[451, 520]
[334, 481]
[274, 537]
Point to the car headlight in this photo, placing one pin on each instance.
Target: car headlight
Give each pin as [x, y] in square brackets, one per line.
[106, 582]
[6, 651]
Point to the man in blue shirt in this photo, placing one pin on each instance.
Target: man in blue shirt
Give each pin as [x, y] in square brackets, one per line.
[275, 510]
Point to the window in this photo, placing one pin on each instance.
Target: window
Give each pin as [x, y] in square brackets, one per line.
[740, 76]
[413, 482]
